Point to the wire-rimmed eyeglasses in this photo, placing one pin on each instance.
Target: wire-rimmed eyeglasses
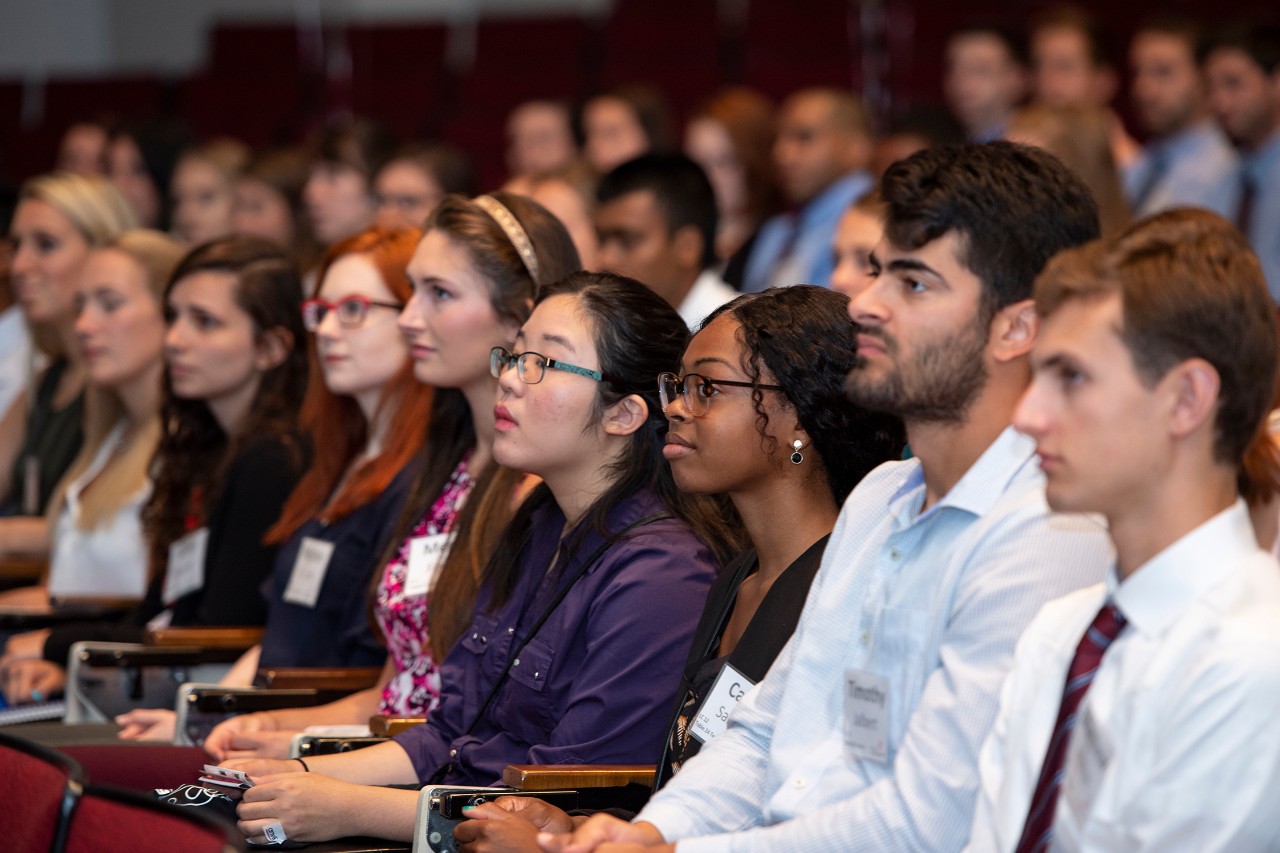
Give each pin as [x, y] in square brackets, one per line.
[697, 390]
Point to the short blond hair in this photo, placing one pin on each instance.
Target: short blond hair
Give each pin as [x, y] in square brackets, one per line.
[93, 205]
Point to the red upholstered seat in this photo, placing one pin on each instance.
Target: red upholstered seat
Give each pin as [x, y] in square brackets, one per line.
[109, 820]
[38, 787]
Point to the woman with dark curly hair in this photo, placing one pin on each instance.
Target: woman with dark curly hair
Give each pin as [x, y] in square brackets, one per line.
[758, 414]
[230, 451]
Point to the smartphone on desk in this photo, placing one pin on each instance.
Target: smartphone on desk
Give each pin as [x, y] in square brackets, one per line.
[440, 810]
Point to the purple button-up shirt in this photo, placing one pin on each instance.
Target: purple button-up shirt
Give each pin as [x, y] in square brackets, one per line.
[594, 685]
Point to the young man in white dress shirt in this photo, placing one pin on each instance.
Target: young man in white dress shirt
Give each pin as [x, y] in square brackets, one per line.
[865, 733]
[1154, 370]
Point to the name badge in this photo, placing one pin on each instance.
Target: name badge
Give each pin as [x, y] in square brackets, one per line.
[426, 555]
[1088, 756]
[866, 715]
[308, 572]
[186, 565]
[713, 715]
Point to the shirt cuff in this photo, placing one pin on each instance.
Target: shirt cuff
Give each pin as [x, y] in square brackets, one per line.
[673, 821]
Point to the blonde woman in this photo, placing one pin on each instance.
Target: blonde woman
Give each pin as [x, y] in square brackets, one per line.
[202, 192]
[97, 545]
[60, 219]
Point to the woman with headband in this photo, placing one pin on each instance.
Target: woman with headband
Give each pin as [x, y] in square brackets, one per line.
[475, 274]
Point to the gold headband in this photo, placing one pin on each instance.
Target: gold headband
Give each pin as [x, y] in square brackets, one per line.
[512, 228]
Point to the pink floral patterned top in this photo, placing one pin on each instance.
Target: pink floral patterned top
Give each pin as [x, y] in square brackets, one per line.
[415, 688]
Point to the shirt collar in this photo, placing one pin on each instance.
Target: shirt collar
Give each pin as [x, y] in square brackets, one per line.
[982, 485]
[1261, 162]
[834, 199]
[1154, 596]
[1187, 141]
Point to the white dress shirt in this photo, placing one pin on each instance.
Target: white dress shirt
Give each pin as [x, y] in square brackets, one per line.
[708, 293]
[110, 560]
[1177, 743]
[931, 601]
[15, 356]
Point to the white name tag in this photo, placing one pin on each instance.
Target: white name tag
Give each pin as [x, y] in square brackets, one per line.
[308, 572]
[186, 565]
[866, 715]
[713, 715]
[426, 554]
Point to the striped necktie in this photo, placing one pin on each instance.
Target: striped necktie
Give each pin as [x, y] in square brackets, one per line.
[1037, 832]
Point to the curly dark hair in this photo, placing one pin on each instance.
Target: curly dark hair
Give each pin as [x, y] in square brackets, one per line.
[803, 335]
[194, 452]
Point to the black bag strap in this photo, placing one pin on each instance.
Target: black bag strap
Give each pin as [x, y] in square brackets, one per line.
[583, 567]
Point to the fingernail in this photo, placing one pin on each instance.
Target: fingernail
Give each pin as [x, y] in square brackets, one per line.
[37, 696]
[467, 808]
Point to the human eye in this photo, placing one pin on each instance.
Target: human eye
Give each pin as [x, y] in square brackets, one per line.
[705, 388]
[914, 285]
[351, 309]
[110, 302]
[46, 243]
[203, 320]
[440, 294]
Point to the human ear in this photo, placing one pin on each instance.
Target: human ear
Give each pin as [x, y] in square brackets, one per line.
[272, 348]
[1195, 385]
[1014, 330]
[626, 416]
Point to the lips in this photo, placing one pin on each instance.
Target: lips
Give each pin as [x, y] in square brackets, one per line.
[421, 351]
[676, 447]
[502, 420]
[870, 344]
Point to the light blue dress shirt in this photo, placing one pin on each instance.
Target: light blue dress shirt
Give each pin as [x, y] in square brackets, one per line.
[810, 260]
[1198, 169]
[932, 601]
[1263, 167]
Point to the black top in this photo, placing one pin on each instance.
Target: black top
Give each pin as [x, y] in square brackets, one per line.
[53, 439]
[236, 561]
[338, 630]
[769, 630]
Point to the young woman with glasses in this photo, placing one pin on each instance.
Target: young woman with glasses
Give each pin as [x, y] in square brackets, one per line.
[757, 413]
[475, 274]
[363, 412]
[589, 602]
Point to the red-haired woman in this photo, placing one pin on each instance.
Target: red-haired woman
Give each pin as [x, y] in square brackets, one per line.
[365, 421]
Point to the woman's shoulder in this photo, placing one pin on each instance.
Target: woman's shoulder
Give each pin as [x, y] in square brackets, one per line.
[272, 452]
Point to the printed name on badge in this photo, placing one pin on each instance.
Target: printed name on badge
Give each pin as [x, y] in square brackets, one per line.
[185, 573]
[308, 573]
[713, 714]
[866, 715]
[426, 553]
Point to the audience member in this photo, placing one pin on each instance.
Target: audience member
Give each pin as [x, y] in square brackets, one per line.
[1072, 67]
[339, 191]
[269, 205]
[83, 149]
[60, 218]
[605, 548]
[15, 338]
[229, 454]
[203, 190]
[416, 179]
[656, 220]
[1243, 70]
[822, 155]
[986, 78]
[140, 159]
[92, 531]
[1079, 137]
[857, 235]
[623, 123]
[864, 734]
[1188, 160]
[726, 436]
[363, 413]
[472, 288]
[1154, 372]
[540, 139]
[731, 137]
[570, 196]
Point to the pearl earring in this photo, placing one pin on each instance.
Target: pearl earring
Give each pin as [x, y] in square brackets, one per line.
[797, 457]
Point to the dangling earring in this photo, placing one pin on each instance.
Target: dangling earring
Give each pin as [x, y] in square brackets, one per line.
[797, 457]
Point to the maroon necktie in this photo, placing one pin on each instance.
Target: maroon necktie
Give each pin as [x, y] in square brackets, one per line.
[1037, 832]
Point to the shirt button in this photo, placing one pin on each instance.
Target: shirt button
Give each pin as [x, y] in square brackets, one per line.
[894, 554]
[511, 630]
[453, 753]
[516, 662]
[484, 639]
[866, 638]
[474, 636]
[798, 782]
[536, 674]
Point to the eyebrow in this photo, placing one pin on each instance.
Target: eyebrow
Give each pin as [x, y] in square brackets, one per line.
[712, 360]
[911, 265]
[1057, 359]
[561, 340]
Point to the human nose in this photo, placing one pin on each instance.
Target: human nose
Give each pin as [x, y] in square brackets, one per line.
[866, 307]
[174, 338]
[1030, 416]
[328, 327]
[23, 260]
[410, 320]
